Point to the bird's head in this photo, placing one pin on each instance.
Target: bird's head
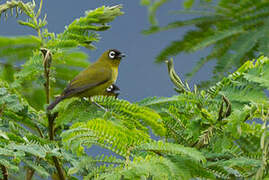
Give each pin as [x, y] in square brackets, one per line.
[112, 56]
[112, 90]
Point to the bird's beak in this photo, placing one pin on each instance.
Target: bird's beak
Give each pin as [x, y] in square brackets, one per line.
[122, 55]
[116, 88]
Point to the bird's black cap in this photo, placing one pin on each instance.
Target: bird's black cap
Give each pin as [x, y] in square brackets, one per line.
[118, 54]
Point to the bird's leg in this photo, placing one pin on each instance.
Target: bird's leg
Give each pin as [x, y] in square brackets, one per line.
[98, 105]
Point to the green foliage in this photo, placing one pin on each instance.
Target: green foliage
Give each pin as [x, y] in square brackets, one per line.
[134, 115]
[172, 149]
[27, 8]
[19, 48]
[242, 87]
[152, 8]
[105, 134]
[148, 167]
[235, 31]
[154, 5]
[81, 32]
[129, 115]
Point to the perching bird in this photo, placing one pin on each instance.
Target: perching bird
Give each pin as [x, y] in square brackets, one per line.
[112, 90]
[95, 79]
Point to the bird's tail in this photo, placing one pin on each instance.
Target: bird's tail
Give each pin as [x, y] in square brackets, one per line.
[54, 103]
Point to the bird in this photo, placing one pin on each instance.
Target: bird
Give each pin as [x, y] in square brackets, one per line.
[95, 79]
[112, 90]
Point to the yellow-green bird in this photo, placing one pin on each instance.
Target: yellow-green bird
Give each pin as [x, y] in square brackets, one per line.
[95, 79]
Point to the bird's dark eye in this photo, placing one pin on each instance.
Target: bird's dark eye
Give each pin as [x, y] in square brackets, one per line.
[112, 54]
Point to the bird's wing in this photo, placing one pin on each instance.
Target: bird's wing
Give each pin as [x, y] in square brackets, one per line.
[86, 80]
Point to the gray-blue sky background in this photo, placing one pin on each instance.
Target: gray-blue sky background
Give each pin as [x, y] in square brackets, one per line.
[139, 76]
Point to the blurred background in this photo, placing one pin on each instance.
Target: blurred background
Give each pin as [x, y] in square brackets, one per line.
[139, 75]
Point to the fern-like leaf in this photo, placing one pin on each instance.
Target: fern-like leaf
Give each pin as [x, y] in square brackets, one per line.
[130, 111]
[105, 134]
[172, 149]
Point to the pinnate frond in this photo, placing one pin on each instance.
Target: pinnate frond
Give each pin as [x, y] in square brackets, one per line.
[82, 31]
[105, 134]
[171, 149]
[19, 6]
[132, 112]
[149, 167]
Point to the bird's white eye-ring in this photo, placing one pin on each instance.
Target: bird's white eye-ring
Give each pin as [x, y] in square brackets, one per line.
[112, 54]
[109, 88]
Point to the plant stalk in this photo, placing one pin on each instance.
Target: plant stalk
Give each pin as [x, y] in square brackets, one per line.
[29, 174]
[180, 86]
[4, 172]
[58, 167]
[46, 63]
[51, 117]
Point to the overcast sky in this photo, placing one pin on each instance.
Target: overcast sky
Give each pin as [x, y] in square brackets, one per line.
[139, 76]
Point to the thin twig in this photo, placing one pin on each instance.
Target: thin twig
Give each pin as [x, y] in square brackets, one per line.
[39, 131]
[156, 152]
[228, 111]
[228, 106]
[38, 29]
[220, 112]
[39, 10]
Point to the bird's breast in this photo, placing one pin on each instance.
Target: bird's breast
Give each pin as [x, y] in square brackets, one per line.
[114, 74]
